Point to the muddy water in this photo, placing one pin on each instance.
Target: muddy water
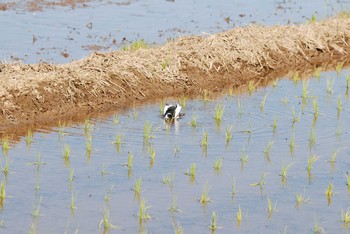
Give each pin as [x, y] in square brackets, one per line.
[61, 34]
[103, 172]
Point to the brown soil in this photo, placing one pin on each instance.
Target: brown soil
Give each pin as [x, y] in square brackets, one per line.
[38, 94]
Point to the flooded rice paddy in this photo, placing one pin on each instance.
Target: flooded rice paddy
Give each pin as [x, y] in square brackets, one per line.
[62, 34]
[274, 156]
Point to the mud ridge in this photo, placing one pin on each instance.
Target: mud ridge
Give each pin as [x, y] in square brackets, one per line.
[33, 94]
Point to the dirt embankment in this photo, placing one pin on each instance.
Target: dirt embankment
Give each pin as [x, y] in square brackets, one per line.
[43, 93]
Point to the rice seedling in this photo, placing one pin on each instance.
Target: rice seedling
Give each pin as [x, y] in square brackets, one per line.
[315, 104]
[274, 125]
[137, 186]
[345, 217]
[262, 104]
[317, 228]
[72, 205]
[301, 200]
[130, 159]
[71, 175]
[192, 171]
[338, 131]
[194, 121]
[152, 153]
[105, 223]
[66, 152]
[329, 191]
[230, 91]
[103, 171]
[233, 187]
[143, 215]
[312, 159]
[29, 137]
[6, 169]
[182, 101]
[295, 118]
[340, 105]
[219, 111]
[118, 141]
[88, 125]
[296, 78]
[36, 210]
[239, 215]
[313, 19]
[317, 73]
[312, 139]
[164, 64]
[347, 175]
[284, 172]
[240, 107]
[161, 107]
[135, 45]
[88, 143]
[218, 165]
[173, 208]
[228, 134]
[38, 162]
[178, 229]
[213, 226]
[270, 208]
[204, 142]
[251, 87]
[267, 150]
[261, 182]
[330, 86]
[116, 119]
[292, 144]
[147, 131]
[333, 158]
[305, 88]
[176, 150]
[347, 80]
[5, 145]
[204, 197]
[2, 192]
[244, 156]
[169, 179]
[285, 100]
[339, 67]
[205, 96]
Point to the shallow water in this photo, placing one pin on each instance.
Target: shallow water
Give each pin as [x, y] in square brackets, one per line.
[63, 34]
[176, 148]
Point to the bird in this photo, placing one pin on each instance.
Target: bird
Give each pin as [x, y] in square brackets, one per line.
[172, 111]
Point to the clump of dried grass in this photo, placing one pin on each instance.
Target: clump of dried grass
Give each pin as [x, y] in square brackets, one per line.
[130, 75]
